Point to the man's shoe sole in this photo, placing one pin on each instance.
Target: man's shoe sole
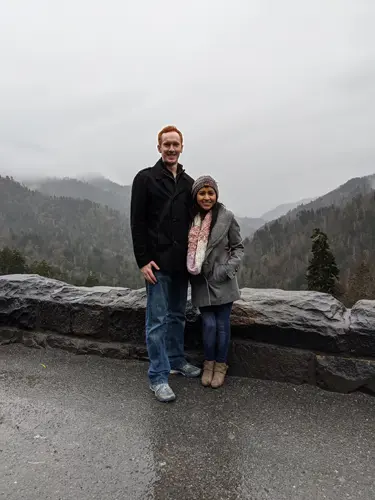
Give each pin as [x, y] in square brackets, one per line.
[178, 372]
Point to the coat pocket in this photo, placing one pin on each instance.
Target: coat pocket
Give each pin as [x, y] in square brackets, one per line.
[219, 274]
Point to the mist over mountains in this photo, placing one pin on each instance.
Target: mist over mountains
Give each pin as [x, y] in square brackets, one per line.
[81, 226]
[106, 192]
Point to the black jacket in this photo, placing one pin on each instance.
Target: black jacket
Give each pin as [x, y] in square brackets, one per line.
[160, 217]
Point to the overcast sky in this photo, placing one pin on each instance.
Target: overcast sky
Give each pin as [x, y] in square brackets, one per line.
[276, 99]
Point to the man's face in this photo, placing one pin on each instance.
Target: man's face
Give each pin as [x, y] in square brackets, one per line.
[170, 148]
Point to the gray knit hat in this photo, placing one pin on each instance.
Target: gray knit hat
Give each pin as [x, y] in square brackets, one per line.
[205, 180]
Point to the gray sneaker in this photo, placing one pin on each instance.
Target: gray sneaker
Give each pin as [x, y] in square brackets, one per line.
[163, 392]
[187, 370]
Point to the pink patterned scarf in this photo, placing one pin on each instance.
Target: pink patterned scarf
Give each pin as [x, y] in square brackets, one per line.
[198, 239]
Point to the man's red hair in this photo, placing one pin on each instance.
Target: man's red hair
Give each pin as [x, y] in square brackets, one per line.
[169, 128]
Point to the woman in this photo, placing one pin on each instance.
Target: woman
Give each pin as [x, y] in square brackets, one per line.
[214, 253]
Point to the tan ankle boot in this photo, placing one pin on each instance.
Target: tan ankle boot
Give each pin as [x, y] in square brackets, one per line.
[208, 373]
[219, 375]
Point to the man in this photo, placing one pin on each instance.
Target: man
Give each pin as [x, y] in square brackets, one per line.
[160, 217]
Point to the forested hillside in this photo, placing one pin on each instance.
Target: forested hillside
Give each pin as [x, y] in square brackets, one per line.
[283, 209]
[81, 241]
[339, 196]
[77, 236]
[98, 190]
[104, 191]
[277, 256]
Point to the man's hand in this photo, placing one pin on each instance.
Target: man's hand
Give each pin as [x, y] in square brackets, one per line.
[148, 273]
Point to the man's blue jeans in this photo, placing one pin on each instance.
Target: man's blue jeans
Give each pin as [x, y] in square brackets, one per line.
[165, 324]
[216, 331]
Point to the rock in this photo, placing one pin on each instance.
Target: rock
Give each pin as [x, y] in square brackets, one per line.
[246, 359]
[15, 311]
[107, 313]
[362, 328]
[104, 313]
[264, 361]
[308, 320]
[344, 374]
[82, 346]
[9, 335]
[276, 334]
[37, 340]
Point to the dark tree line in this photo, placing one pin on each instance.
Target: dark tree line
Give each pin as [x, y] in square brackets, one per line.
[74, 236]
[323, 274]
[278, 254]
[83, 242]
[13, 262]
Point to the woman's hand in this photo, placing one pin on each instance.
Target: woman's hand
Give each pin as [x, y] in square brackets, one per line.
[220, 273]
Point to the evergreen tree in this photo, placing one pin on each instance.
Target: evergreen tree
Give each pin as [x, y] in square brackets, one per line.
[92, 279]
[43, 269]
[361, 285]
[12, 262]
[322, 273]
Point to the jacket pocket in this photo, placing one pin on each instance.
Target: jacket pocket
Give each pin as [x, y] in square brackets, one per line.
[219, 274]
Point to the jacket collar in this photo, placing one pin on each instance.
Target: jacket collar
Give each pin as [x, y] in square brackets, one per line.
[220, 229]
[161, 170]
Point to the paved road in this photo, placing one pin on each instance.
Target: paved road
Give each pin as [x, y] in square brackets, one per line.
[88, 428]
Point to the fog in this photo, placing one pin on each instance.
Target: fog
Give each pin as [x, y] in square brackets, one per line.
[276, 100]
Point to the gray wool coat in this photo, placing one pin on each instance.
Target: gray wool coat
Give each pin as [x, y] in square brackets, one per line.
[217, 283]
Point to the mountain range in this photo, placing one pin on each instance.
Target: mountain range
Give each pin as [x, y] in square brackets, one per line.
[103, 191]
[75, 235]
[283, 209]
[278, 253]
[106, 192]
[82, 225]
[97, 189]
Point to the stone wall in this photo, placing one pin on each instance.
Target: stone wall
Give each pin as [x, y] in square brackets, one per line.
[299, 337]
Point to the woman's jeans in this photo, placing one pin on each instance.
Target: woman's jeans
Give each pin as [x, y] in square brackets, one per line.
[216, 331]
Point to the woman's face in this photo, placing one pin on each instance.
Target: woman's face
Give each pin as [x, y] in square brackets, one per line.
[206, 197]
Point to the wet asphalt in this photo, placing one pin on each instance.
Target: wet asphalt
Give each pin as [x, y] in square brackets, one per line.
[84, 427]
